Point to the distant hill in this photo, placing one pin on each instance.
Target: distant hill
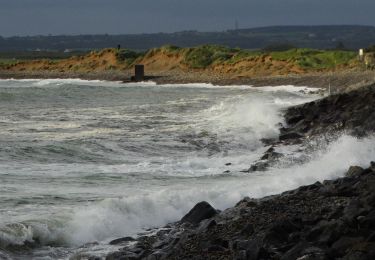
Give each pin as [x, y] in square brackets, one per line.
[317, 37]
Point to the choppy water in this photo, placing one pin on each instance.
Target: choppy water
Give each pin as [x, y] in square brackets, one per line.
[89, 161]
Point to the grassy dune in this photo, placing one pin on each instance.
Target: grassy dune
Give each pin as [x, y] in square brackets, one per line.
[210, 58]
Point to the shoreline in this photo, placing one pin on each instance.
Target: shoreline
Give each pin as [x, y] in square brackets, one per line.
[332, 219]
[239, 232]
[338, 81]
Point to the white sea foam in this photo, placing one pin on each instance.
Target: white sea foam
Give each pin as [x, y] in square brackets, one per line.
[56, 82]
[84, 184]
[288, 88]
[132, 213]
[106, 83]
[128, 215]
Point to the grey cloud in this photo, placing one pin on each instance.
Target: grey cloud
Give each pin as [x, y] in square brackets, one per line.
[30, 17]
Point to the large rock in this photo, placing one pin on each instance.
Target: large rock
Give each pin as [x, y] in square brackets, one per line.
[288, 136]
[203, 210]
[354, 171]
[350, 111]
[121, 240]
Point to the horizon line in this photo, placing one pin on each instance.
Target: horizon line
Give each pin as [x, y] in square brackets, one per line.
[191, 30]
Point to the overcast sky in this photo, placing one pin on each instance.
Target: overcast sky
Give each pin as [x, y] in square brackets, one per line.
[35, 17]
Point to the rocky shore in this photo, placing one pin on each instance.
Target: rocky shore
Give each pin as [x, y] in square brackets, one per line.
[330, 220]
[334, 219]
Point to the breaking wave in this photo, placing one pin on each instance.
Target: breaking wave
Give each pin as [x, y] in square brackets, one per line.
[82, 163]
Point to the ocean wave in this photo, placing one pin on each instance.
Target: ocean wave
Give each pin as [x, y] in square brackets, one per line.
[104, 83]
[132, 213]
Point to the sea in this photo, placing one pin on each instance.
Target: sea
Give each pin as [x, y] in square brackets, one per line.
[85, 162]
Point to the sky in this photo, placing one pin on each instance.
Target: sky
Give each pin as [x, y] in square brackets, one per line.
[56, 17]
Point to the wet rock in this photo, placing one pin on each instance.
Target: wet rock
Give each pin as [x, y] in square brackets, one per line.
[259, 166]
[356, 256]
[279, 232]
[288, 136]
[4, 256]
[372, 166]
[240, 255]
[206, 225]
[368, 221]
[270, 154]
[293, 119]
[121, 240]
[202, 210]
[344, 244]
[315, 186]
[122, 255]
[330, 220]
[371, 237]
[252, 248]
[248, 230]
[305, 251]
[268, 141]
[354, 171]
[353, 210]
[92, 258]
[326, 232]
[313, 253]
[295, 251]
[346, 111]
[215, 248]
[247, 202]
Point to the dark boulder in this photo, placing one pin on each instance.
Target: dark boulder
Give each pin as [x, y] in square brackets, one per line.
[368, 221]
[344, 244]
[354, 171]
[270, 154]
[305, 251]
[279, 232]
[349, 112]
[121, 240]
[202, 210]
[259, 166]
[122, 255]
[252, 249]
[288, 136]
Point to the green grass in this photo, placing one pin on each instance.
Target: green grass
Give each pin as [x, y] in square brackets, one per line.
[127, 56]
[171, 48]
[206, 55]
[8, 61]
[315, 59]
[243, 54]
[201, 57]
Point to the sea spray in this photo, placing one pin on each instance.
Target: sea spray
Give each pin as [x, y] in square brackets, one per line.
[128, 215]
[87, 161]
